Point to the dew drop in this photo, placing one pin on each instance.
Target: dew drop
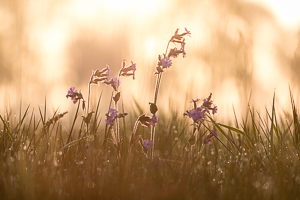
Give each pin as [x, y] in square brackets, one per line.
[256, 184]
[79, 162]
[266, 185]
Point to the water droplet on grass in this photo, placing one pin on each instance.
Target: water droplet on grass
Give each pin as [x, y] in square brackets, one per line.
[256, 184]
[79, 162]
[266, 185]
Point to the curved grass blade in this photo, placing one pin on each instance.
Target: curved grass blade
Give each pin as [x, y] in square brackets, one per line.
[232, 128]
[74, 142]
[8, 131]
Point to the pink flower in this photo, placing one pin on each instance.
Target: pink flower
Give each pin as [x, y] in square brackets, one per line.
[154, 120]
[147, 144]
[166, 62]
[113, 82]
[208, 103]
[111, 116]
[187, 32]
[100, 75]
[214, 111]
[74, 94]
[128, 71]
[196, 114]
[148, 121]
[174, 52]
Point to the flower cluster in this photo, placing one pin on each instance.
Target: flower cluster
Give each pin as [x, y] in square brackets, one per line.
[165, 60]
[74, 94]
[128, 71]
[114, 82]
[100, 75]
[112, 115]
[198, 114]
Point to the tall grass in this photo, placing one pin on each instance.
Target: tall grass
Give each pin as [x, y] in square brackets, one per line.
[257, 159]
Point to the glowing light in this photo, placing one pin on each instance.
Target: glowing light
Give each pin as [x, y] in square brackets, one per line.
[287, 12]
[150, 46]
[132, 6]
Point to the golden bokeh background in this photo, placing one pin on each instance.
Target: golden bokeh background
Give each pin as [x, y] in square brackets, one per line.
[237, 46]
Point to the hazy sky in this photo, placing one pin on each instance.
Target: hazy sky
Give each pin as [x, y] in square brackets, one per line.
[49, 46]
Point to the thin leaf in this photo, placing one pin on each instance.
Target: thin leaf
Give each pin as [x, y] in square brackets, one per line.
[232, 128]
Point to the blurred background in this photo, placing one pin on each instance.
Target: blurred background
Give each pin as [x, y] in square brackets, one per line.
[236, 47]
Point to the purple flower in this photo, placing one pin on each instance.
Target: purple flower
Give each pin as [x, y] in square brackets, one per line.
[166, 62]
[148, 121]
[100, 75]
[207, 139]
[195, 101]
[196, 114]
[113, 82]
[182, 48]
[147, 144]
[207, 102]
[111, 116]
[174, 52]
[205, 109]
[128, 71]
[154, 120]
[187, 32]
[214, 111]
[74, 94]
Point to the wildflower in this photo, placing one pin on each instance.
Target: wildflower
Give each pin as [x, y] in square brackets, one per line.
[182, 48]
[100, 75]
[154, 120]
[195, 101]
[166, 62]
[205, 109]
[187, 32]
[113, 82]
[196, 114]
[214, 111]
[159, 70]
[111, 116]
[207, 139]
[128, 71]
[208, 102]
[174, 52]
[147, 120]
[177, 37]
[207, 105]
[147, 144]
[74, 94]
